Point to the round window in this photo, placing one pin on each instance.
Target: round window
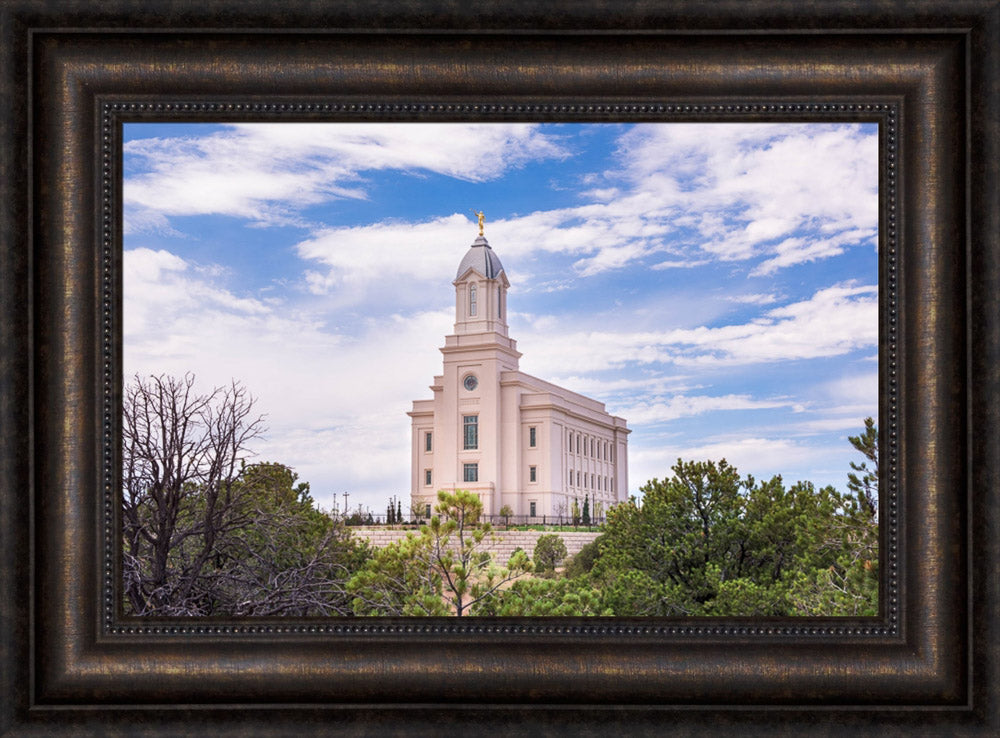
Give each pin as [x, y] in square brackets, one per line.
[470, 382]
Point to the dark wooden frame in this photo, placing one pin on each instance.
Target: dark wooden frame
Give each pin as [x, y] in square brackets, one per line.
[69, 662]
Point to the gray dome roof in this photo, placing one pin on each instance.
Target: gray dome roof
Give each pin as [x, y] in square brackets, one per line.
[481, 258]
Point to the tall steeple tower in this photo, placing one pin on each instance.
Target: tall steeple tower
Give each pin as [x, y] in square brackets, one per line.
[469, 393]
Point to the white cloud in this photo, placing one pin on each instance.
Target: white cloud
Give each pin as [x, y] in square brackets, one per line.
[612, 257]
[162, 290]
[761, 456]
[680, 264]
[745, 453]
[268, 172]
[855, 389]
[679, 406]
[741, 191]
[801, 250]
[783, 193]
[756, 188]
[626, 385]
[335, 402]
[369, 453]
[768, 298]
[840, 404]
[359, 256]
[849, 419]
[603, 237]
[834, 321]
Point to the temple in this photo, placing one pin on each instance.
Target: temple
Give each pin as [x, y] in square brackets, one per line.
[513, 439]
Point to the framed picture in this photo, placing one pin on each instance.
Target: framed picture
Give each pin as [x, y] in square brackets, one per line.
[924, 79]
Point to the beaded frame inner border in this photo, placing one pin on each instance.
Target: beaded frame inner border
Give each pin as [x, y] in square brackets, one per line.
[113, 114]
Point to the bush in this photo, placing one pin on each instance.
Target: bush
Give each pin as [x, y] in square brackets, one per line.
[545, 598]
[584, 560]
[549, 551]
[506, 511]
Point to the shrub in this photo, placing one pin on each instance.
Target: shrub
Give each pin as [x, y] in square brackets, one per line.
[583, 561]
[549, 551]
[506, 511]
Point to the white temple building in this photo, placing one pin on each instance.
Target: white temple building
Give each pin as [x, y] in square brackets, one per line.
[509, 437]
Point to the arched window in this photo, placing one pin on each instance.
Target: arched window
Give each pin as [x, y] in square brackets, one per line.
[472, 299]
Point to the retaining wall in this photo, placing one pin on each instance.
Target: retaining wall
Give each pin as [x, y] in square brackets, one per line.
[501, 548]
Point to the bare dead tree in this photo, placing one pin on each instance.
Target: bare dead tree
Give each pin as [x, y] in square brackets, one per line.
[267, 577]
[178, 445]
[205, 533]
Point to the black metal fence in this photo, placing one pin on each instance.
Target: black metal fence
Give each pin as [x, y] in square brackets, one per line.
[558, 522]
[554, 521]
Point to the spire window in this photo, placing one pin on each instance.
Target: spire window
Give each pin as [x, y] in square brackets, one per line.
[472, 299]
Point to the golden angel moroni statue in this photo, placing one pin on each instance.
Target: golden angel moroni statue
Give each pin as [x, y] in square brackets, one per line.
[482, 216]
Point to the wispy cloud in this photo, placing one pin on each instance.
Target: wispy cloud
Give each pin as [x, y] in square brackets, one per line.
[754, 299]
[268, 173]
[792, 459]
[834, 321]
[752, 190]
[356, 257]
[794, 251]
[680, 406]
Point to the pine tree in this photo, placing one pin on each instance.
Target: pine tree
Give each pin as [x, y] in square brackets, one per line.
[866, 486]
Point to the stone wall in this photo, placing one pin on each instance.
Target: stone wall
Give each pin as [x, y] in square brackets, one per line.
[501, 549]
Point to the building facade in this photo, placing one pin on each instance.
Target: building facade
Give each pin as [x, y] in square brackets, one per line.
[513, 439]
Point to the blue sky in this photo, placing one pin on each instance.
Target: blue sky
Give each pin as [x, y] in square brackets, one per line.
[714, 284]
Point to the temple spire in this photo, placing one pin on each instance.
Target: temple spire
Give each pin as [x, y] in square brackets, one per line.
[480, 290]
